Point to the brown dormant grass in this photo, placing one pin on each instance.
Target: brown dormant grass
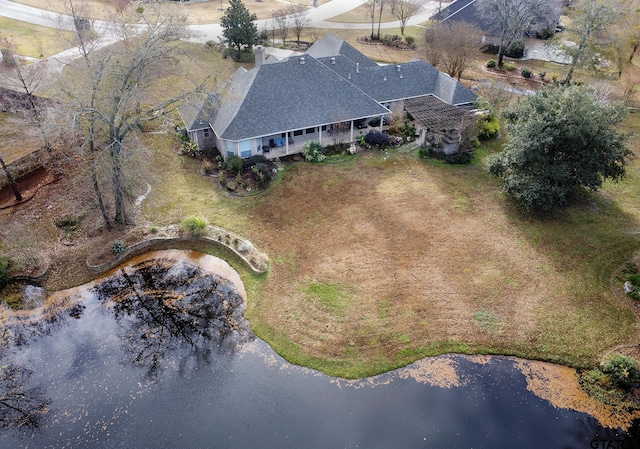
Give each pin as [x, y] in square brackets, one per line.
[198, 12]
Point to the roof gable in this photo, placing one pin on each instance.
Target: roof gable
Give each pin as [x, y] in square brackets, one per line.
[332, 45]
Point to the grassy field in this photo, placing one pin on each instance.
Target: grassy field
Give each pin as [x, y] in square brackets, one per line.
[32, 40]
[198, 12]
[388, 259]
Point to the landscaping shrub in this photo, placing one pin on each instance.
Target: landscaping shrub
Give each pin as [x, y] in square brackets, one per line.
[527, 73]
[245, 55]
[253, 160]
[69, 223]
[634, 278]
[423, 152]
[313, 152]
[516, 49]
[623, 370]
[488, 127]
[410, 40]
[117, 246]
[542, 75]
[491, 63]
[509, 67]
[210, 44]
[233, 164]
[189, 147]
[460, 157]
[195, 226]
[377, 139]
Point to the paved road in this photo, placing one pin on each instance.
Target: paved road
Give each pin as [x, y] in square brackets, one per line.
[319, 18]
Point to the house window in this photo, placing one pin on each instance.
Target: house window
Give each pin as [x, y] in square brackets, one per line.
[245, 148]
[309, 130]
[324, 127]
[283, 135]
[206, 133]
[231, 149]
[297, 133]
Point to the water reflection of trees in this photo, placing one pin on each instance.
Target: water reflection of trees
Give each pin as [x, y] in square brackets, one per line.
[21, 408]
[167, 308]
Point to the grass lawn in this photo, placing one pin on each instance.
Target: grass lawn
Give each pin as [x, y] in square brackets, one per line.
[32, 40]
[385, 260]
[198, 12]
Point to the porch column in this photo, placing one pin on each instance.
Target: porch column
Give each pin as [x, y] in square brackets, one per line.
[381, 119]
[286, 144]
[351, 135]
[320, 135]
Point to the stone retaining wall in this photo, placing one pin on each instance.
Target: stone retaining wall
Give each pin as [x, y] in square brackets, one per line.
[244, 249]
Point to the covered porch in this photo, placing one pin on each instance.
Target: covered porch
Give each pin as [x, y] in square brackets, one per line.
[292, 142]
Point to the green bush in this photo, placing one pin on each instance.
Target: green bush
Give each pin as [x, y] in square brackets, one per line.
[634, 278]
[488, 127]
[527, 73]
[542, 75]
[117, 246]
[69, 223]
[423, 152]
[154, 229]
[491, 63]
[313, 152]
[516, 50]
[509, 67]
[195, 226]
[253, 160]
[623, 370]
[410, 40]
[459, 157]
[233, 164]
[189, 147]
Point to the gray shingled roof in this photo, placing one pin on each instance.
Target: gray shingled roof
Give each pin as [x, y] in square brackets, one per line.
[332, 45]
[408, 80]
[289, 95]
[196, 112]
[386, 83]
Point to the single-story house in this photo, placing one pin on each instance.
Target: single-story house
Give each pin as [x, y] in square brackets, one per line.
[326, 94]
[468, 11]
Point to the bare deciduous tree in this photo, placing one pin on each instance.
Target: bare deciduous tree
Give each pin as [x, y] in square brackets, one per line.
[588, 31]
[403, 10]
[116, 93]
[26, 78]
[452, 46]
[300, 20]
[283, 22]
[510, 19]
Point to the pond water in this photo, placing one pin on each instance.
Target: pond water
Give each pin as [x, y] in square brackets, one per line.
[158, 355]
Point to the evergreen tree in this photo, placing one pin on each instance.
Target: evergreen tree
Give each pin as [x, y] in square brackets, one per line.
[238, 26]
[559, 139]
